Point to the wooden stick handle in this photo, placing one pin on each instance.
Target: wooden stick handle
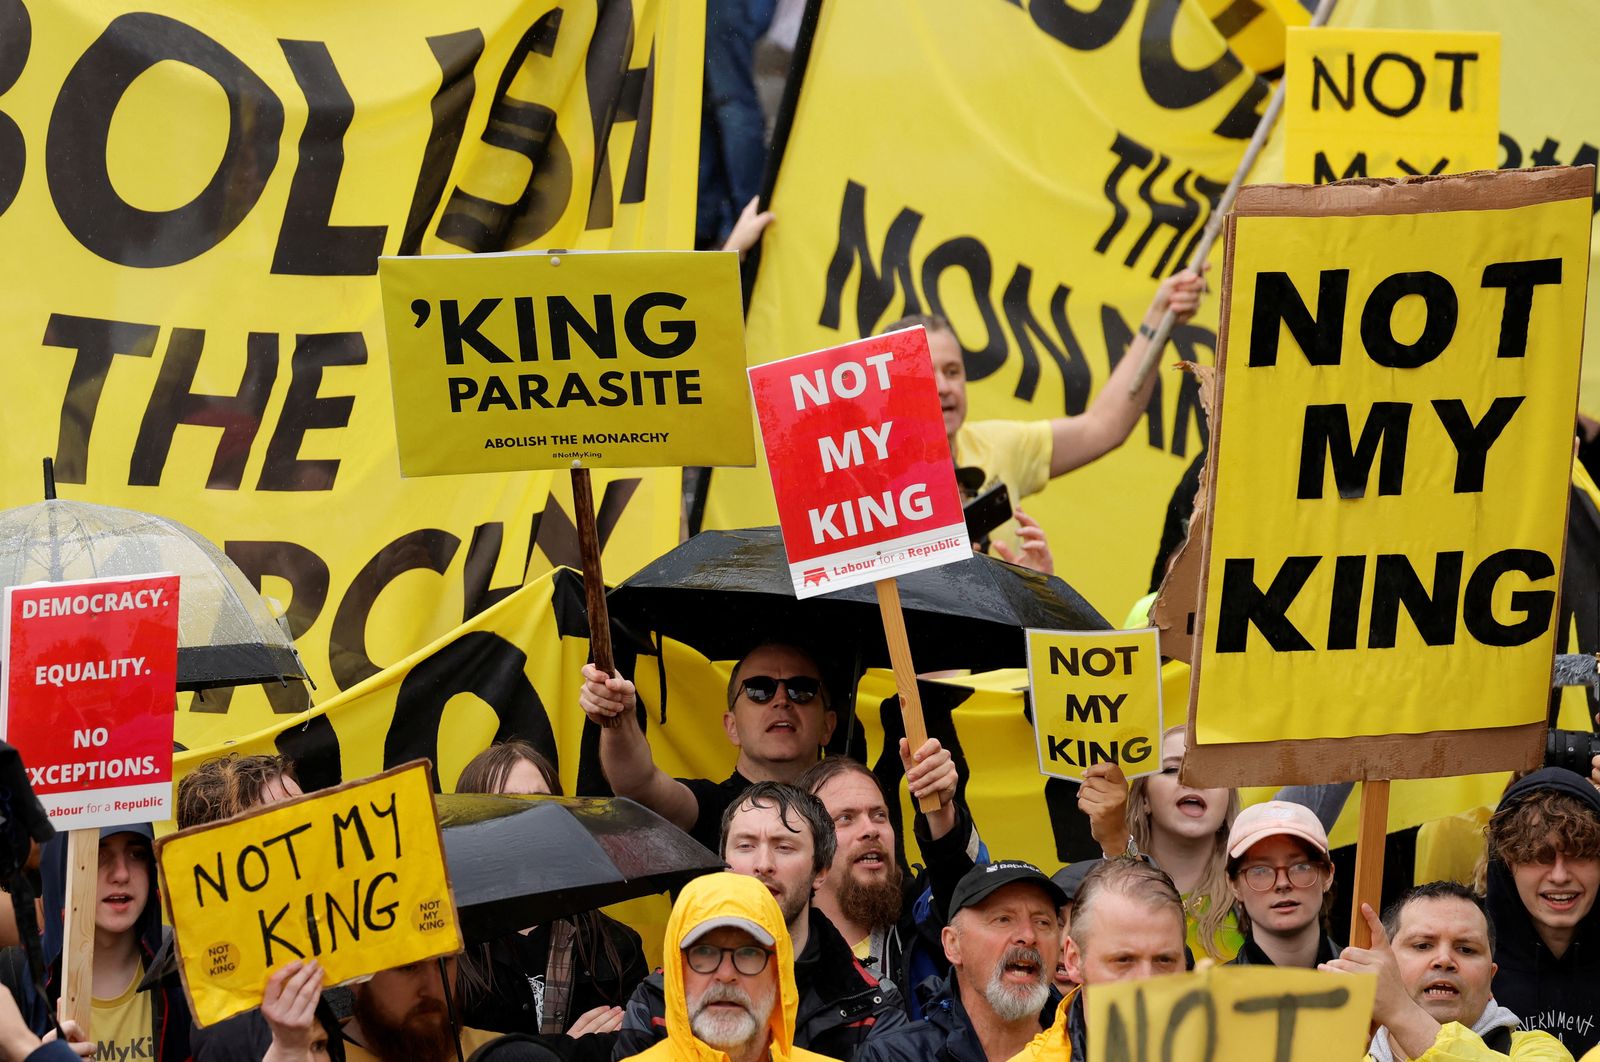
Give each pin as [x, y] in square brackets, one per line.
[594, 582]
[77, 948]
[905, 676]
[1219, 213]
[1369, 858]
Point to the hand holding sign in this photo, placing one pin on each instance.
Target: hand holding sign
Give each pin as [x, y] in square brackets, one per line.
[931, 773]
[289, 1004]
[1103, 797]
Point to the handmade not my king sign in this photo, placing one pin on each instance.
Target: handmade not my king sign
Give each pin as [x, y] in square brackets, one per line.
[1389, 477]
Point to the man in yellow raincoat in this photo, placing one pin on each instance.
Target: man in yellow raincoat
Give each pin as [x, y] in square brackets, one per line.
[728, 975]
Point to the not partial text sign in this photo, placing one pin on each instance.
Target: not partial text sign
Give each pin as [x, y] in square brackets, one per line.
[860, 462]
[91, 682]
[353, 877]
[1096, 699]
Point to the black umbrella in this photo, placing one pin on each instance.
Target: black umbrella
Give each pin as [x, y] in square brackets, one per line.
[723, 590]
[516, 862]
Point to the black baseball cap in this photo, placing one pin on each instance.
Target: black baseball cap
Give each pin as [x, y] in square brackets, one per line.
[1070, 877]
[976, 884]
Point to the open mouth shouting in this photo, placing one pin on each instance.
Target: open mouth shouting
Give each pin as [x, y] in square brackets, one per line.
[1193, 805]
[871, 860]
[120, 902]
[1441, 990]
[1022, 966]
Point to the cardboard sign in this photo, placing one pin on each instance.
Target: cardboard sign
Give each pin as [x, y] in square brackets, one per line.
[860, 462]
[1389, 103]
[1389, 477]
[91, 677]
[1232, 1013]
[353, 876]
[501, 362]
[1096, 699]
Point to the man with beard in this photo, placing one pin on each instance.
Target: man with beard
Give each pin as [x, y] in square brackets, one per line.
[1001, 943]
[728, 976]
[868, 896]
[400, 1016]
[782, 837]
[1433, 955]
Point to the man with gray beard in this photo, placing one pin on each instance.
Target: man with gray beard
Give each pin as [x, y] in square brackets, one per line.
[1001, 942]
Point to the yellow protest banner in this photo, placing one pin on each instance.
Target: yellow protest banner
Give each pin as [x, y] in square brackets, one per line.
[353, 877]
[1389, 477]
[522, 361]
[1238, 1013]
[1388, 103]
[1043, 251]
[1096, 699]
[193, 324]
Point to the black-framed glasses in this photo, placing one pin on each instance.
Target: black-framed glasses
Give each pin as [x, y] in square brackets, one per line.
[762, 688]
[748, 959]
[1262, 878]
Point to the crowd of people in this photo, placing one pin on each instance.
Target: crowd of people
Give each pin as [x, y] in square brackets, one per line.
[818, 940]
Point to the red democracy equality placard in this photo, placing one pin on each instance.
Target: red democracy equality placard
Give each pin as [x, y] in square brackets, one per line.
[91, 676]
[860, 463]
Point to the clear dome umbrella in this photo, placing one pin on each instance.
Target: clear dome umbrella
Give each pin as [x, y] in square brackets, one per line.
[226, 635]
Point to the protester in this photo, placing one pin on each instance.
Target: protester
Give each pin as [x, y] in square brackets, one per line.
[570, 976]
[1001, 944]
[1433, 956]
[128, 1021]
[1127, 924]
[1069, 879]
[401, 1015]
[782, 836]
[779, 716]
[1281, 874]
[1183, 829]
[1026, 454]
[891, 918]
[1543, 876]
[728, 976]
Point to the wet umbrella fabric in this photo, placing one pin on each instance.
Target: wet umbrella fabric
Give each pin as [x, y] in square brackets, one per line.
[226, 636]
[722, 590]
[517, 862]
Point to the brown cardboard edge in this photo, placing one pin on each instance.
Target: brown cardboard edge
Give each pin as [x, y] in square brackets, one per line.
[1365, 196]
[1436, 754]
[1197, 643]
[161, 867]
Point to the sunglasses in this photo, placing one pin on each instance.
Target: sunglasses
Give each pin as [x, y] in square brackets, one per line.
[762, 688]
[707, 958]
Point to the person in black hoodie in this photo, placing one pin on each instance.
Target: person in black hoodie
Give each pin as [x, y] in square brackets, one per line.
[129, 1019]
[1543, 878]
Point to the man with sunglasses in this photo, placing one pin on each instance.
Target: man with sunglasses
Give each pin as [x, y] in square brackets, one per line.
[778, 718]
[728, 976]
[1280, 872]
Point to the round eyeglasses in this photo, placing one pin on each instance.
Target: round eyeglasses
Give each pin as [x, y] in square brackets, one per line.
[707, 958]
[1263, 878]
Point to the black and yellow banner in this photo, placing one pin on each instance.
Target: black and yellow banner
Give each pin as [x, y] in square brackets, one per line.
[193, 204]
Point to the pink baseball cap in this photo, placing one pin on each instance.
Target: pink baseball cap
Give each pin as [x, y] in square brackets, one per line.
[1272, 818]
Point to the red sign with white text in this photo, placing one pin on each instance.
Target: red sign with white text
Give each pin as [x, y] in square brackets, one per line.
[91, 677]
[860, 463]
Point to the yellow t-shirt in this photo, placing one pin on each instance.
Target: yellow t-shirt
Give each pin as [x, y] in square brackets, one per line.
[471, 1040]
[124, 1027]
[1013, 452]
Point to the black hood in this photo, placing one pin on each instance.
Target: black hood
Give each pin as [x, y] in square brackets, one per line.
[1518, 940]
[53, 874]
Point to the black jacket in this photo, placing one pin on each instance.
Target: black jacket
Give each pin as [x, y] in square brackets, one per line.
[945, 1033]
[842, 1006]
[1252, 955]
[1557, 996]
[516, 962]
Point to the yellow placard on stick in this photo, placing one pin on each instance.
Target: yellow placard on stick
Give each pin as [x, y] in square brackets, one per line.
[1096, 699]
[1389, 103]
[1237, 1013]
[1388, 477]
[353, 877]
[504, 362]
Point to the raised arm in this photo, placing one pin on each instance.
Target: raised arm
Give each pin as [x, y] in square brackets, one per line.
[625, 755]
[1111, 416]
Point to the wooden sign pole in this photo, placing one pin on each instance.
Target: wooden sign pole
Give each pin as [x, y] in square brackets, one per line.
[77, 947]
[905, 676]
[1370, 844]
[594, 582]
